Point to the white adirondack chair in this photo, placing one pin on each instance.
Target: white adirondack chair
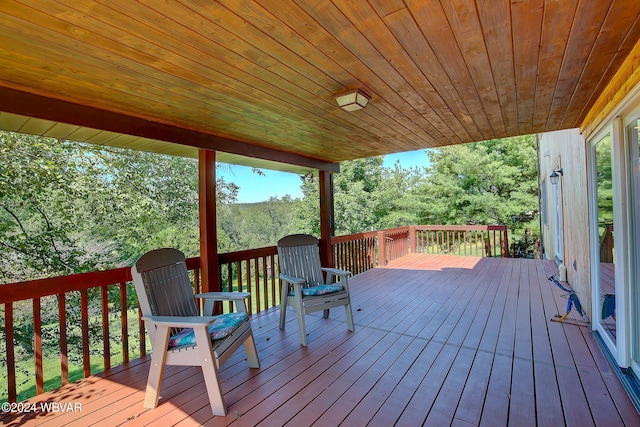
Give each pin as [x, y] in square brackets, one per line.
[179, 334]
[303, 285]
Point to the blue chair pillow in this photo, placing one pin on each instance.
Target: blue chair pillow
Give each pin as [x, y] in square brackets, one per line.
[319, 290]
[223, 326]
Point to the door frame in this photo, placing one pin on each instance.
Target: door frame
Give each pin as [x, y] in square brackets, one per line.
[620, 348]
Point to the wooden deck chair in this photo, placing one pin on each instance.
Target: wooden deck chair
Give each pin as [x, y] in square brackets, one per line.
[179, 335]
[303, 285]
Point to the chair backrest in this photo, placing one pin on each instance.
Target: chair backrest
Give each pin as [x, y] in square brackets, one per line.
[299, 256]
[162, 284]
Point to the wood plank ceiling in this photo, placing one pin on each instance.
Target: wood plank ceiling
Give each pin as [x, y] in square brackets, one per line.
[265, 72]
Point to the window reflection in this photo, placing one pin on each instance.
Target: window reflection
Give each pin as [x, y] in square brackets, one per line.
[604, 177]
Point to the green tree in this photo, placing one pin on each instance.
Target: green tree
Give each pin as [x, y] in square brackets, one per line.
[43, 197]
[68, 207]
[367, 196]
[489, 182]
[399, 204]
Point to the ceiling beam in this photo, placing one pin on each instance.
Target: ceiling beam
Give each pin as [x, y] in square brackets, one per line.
[42, 107]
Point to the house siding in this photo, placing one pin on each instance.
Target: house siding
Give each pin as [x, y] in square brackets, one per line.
[567, 148]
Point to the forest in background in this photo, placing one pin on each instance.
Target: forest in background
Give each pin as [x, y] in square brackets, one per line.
[68, 207]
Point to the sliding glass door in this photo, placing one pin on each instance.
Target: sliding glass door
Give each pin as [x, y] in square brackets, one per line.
[633, 138]
[603, 255]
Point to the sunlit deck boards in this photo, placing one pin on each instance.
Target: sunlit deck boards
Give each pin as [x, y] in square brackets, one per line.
[439, 341]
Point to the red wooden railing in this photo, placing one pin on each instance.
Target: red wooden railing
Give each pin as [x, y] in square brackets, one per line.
[252, 270]
[62, 288]
[356, 252]
[473, 240]
[393, 243]
[255, 271]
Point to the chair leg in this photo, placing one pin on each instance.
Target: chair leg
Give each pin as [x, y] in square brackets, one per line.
[349, 314]
[252, 352]
[210, 372]
[283, 305]
[302, 329]
[156, 369]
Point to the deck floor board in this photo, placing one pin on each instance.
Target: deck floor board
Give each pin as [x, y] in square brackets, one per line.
[439, 340]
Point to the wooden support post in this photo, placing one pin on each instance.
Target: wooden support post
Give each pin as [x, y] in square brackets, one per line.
[382, 249]
[210, 277]
[412, 239]
[326, 218]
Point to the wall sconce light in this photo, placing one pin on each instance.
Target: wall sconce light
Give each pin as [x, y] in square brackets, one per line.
[353, 100]
[555, 176]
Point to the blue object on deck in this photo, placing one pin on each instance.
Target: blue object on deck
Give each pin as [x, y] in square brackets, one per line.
[608, 306]
[572, 298]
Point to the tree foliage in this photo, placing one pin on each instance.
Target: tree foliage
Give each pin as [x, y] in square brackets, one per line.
[67, 207]
[367, 196]
[489, 182]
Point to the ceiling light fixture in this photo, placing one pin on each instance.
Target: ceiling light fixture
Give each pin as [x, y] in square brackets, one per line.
[353, 100]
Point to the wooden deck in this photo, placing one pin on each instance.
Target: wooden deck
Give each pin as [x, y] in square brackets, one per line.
[440, 340]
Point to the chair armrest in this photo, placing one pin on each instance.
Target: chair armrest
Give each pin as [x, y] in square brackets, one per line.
[180, 322]
[239, 299]
[224, 296]
[291, 279]
[336, 271]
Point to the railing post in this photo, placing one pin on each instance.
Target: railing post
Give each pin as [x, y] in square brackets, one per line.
[412, 239]
[207, 213]
[326, 219]
[505, 252]
[382, 249]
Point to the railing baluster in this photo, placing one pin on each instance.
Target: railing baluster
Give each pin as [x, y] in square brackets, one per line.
[84, 320]
[229, 284]
[125, 322]
[64, 351]
[196, 281]
[106, 341]
[256, 272]
[247, 266]
[265, 283]
[11, 358]
[37, 344]
[275, 294]
[141, 334]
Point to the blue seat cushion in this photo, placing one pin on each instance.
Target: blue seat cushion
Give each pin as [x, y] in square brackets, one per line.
[223, 326]
[319, 290]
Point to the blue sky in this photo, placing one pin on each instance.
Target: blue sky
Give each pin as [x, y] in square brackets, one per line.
[258, 188]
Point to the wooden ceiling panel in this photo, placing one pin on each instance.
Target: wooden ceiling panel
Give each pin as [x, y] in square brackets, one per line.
[265, 72]
[609, 43]
[465, 23]
[434, 25]
[554, 37]
[526, 53]
[444, 99]
[495, 21]
[424, 98]
[585, 28]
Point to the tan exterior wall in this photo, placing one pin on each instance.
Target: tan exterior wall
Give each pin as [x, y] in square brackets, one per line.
[567, 149]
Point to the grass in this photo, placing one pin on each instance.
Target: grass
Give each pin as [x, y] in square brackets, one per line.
[52, 371]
